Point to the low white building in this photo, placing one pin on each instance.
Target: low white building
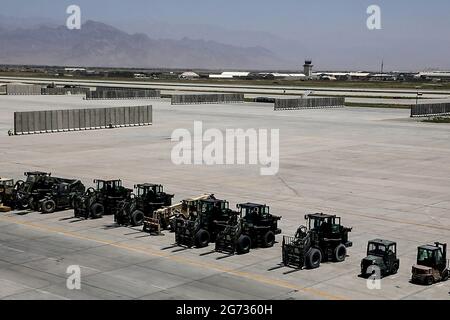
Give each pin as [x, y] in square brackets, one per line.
[433, 75]
[189, 75]
[230, 75]
[289, 76]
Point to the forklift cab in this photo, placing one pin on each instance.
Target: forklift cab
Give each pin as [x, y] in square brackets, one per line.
[61, 189]
[432, 256]
[108, 185]
[6, 184]
[252, 212]
[35, 175]
[6, 189]
[209, 205]
[145, 188]
[213, 209]
[323, 222]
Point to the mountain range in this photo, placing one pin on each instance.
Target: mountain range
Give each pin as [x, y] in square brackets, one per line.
[101, 45]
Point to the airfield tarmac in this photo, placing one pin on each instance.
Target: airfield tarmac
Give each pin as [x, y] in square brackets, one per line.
[386, 175]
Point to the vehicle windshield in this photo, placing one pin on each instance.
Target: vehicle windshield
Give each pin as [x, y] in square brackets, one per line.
[426, 257]
[254, 211]
[100, 185]
[141, 191]
[322, 223]
[376, 249]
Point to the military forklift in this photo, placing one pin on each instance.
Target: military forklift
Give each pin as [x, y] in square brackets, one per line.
[252, 227]
[164, 218]
[6, 194]
[148, 198]
[200, 228]
[103, 200]
[432, 264]
[325, 239]
[25, 192]
[61, 196]
[381, 254]
[6, 190]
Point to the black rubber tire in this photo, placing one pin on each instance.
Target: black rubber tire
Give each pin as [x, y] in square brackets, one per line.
[313, 258]
[137, 218]
[202, 238]
[22, 201]
[339, 253]
[445, 275]
[429, 281]
[97, 210]
[244, 244]
[395, 268]
[269, 239]
[48, 206]
[32, 204]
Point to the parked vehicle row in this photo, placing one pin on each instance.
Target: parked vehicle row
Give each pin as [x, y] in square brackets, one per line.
[205, 219]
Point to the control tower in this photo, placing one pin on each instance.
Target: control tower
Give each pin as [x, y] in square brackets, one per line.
[307, 68]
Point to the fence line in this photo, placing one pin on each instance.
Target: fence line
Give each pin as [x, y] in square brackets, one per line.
[124, 93]
[207, 98]
[432, 109]
[13, 89]
[81, 119]
[64, 91]
[309, 103]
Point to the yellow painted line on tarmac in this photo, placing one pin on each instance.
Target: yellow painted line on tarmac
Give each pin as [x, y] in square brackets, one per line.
[243, 274]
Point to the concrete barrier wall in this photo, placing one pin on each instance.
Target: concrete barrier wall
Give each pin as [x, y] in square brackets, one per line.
[64, 91]
[309, 103]
[123, 94]
[81, 119]
[23, 89]
[426, 110]
[207, 98]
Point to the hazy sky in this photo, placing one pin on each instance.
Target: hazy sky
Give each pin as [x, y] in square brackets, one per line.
[415, 33]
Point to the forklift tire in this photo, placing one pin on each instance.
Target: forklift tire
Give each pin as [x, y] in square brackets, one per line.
[137, 218]
[32, 205]
[339, 253]
[202, 238]
[244, 244]
[313, 258]
[445, 275]
[269, 239]
[48, 206]
[429, 281]
[97, 210]
[395, 268]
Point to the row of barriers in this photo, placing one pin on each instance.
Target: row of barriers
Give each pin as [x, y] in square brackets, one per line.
[64, 91]
[102, 94]
[207, 98]
[48, 121]
[309, 103]
[433, 109]
[16, 89]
